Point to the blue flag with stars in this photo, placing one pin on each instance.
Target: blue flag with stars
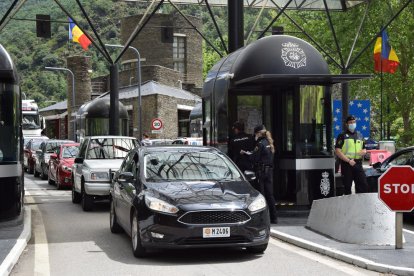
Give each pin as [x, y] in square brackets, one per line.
[361, 109]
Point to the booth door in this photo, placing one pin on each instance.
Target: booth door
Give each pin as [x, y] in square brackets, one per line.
[274, 109]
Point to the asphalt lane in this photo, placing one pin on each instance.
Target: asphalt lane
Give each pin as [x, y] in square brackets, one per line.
[68, 241]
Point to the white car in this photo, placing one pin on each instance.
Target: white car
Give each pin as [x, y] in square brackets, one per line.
[98, 158]
[192, 141]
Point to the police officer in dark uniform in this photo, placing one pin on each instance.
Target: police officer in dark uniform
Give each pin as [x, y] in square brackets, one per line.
[240, 141]
[262, 159]
[350, 149]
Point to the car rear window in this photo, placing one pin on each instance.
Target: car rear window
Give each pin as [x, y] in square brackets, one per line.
[110, 148]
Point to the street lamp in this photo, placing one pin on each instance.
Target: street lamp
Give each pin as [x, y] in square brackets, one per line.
[73, 94]
[139, 85]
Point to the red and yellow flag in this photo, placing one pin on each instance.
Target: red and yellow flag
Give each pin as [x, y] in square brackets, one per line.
[76, 34]
[385, 58]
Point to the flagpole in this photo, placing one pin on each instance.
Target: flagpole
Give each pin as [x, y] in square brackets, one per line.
[381, 124]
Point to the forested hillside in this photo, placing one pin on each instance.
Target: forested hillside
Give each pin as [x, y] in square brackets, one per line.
[32, 54]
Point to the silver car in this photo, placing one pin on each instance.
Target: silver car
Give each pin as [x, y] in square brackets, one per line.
[98, 157]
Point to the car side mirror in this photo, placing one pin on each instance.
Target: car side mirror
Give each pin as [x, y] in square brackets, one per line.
[53, 156]
[376, 165]
[78, 160]
[250, 175]
[126, 177]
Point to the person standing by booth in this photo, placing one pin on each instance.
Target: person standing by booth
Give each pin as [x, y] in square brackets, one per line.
[240, 141]
[262, 159]
[350, 149]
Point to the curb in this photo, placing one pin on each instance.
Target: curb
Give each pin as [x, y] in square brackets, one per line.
[12, 258]
[342, 256]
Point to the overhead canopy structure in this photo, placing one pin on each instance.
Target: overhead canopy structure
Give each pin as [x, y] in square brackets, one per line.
[338, 5]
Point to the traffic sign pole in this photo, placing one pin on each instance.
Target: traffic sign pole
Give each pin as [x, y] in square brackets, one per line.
[398, 230]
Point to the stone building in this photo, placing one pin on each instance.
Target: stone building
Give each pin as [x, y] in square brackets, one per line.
[171, 78]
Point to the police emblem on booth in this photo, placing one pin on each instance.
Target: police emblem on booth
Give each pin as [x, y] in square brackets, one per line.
[325, 184]
[293, 56]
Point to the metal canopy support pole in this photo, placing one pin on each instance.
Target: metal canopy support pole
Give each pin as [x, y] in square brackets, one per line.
[216, 26]
[114, 103]
[274, 19]
[195, 28]
[338, 48]
[236, 25]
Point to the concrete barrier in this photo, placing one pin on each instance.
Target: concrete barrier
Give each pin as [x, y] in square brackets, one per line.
[357, 218]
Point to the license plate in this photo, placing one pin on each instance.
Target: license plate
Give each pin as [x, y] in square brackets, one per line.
[216, 232]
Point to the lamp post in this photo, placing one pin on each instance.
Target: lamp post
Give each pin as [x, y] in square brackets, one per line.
[73, 94]
[139, 85]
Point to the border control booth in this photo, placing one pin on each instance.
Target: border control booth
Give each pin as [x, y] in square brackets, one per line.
[284, 83]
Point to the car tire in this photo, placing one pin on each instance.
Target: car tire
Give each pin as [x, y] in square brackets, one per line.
[31, 169]
[113, 220]
[35, 172]
[49, 180]
[87, 202]
[137, 249]
[43, 176]
[76, 197]
[258, 249]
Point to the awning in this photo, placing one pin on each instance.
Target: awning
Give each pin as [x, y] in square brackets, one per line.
[312, 79]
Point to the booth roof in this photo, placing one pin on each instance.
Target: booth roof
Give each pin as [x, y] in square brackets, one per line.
[147, 88]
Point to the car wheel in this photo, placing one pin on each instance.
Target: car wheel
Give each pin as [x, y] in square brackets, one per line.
[137, 249]
[57, 182]
[43, 174]
[31, 169]
[87, 202]
[76, 197]
[113, 220]
[35, 172]
[49, 180]
[258, 249]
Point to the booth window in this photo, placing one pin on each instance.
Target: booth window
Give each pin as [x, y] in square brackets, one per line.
[179, 53]
[312, 121]
[287, 132]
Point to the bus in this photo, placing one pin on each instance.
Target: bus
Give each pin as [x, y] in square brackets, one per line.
[11, 140]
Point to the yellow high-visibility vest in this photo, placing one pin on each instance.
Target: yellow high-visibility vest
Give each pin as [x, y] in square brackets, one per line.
[352, 146]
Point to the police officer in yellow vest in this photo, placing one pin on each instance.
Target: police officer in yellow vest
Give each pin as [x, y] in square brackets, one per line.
[350, 149]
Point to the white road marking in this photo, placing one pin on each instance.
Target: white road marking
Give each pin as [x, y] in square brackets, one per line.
[41, 253]
[335, 264]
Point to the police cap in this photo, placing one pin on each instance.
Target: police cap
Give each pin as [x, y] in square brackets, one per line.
[238, 125]
[350, 118]
[259, 128]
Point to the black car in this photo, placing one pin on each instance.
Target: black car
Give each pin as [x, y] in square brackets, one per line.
[186, 197]
[400, 158]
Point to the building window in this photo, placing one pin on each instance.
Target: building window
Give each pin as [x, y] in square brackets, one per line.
[183, 123]
[179, 53]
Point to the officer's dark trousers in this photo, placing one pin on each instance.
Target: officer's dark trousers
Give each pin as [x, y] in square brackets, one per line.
[354, 173]
[265, 187]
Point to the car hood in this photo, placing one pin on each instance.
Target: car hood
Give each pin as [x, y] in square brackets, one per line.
[103, 163]
[67, 161]
[205, 194]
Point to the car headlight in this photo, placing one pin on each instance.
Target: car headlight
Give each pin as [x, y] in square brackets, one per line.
[258, 204]
[66, 168]
[99, 176]
[160, 205]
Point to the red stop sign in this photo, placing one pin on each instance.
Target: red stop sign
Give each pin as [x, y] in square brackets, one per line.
[396, 188]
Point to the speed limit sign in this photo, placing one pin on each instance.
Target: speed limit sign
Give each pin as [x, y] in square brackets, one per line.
[156, 124]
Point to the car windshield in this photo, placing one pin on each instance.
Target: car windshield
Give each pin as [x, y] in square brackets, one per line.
[110, 148]
[70, 152]
[188, 166]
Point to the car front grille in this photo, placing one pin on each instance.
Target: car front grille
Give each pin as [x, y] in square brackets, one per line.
[200, 240]
[214, 217]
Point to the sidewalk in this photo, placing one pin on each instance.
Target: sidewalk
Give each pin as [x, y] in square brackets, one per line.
[384, 259]
[14, 235]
